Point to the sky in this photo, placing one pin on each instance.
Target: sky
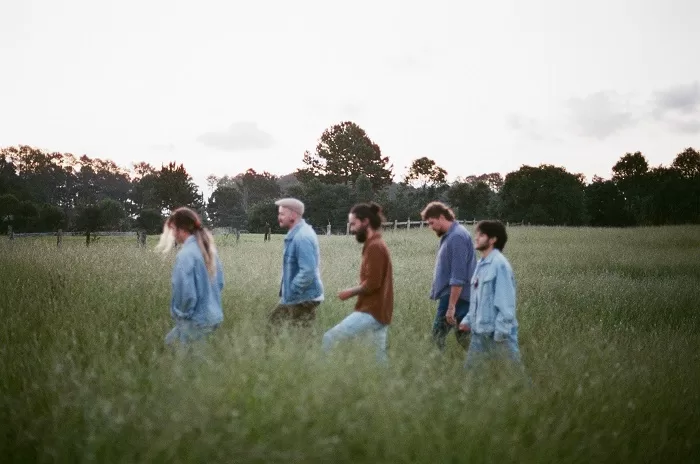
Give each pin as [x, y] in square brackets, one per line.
[479, 87]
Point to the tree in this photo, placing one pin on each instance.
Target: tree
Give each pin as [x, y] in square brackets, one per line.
[256, 188]
[363, 189]
[260, 214]
[471, 200]
[9, 204]
[547, 195]
[150, 220]
[344, 151]
[630, 176]
[688, 163]
[212, 181]
[605, 204]
[424, 172]
[493, 180]
[324, 203]
[26, 217]
[175, 188]
[225, 208]
[630, 166]
[51, 218]
[111, 214]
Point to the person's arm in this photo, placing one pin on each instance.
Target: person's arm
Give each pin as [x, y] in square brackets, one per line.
[459, 269]
[219, 273]
[504, 302]
[184, 297]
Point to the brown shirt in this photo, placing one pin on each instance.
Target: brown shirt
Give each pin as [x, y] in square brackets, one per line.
[376, 275]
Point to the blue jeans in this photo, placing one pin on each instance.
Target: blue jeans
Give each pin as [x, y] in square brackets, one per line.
[440, 326]
[484, 348]
[358, 323]
[186, 332]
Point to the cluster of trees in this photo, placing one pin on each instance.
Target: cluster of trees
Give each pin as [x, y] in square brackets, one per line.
[41, 191]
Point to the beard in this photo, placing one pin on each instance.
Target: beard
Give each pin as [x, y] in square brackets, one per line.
[167, 240]
[361, 235]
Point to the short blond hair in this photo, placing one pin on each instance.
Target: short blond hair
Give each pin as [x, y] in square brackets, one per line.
[291, 204]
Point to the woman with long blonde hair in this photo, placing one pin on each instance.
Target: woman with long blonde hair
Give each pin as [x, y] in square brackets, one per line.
[197, 279]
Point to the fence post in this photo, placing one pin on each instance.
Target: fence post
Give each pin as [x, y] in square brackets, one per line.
[421, 224]
[10, 233]
[408, 224]
[59, 238]
[328, 229]
[396, 224]
[347, 229]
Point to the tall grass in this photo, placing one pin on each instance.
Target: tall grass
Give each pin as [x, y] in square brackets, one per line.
[609, 335]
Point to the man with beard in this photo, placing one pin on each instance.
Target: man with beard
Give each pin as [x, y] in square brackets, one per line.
[492, 311]
[454, 266]
[375, 294]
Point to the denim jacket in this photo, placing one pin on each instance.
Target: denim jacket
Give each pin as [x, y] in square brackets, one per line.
[492, 302]
[196, 297]
[301, 277]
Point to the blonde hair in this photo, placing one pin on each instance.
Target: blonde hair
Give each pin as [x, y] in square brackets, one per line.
[186, 219]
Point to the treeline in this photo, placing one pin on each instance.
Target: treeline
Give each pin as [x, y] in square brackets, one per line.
[44, 191]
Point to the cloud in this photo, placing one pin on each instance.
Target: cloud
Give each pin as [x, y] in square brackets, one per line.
[243, 135]
[524, 124]
[684, 99]
[677, 106]
[600, 114]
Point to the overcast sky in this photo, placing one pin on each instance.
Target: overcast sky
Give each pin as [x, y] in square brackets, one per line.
[227, 85]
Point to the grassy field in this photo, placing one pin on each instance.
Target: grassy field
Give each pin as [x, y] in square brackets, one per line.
[609, 331]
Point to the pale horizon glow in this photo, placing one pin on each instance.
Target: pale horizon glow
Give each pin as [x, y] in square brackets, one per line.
[223, 86]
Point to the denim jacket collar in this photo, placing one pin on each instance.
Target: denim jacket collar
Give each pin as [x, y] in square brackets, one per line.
[495, 252]
[294, 230]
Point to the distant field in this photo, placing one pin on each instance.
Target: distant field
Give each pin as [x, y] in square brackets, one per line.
[610, 335]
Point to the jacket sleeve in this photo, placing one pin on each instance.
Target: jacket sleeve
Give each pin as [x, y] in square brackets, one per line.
[504, 301]
[306, 260]
[184, 297]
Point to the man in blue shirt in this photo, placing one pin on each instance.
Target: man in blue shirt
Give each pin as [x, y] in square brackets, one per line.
[301, 289]
[454, 266]
[491, 314]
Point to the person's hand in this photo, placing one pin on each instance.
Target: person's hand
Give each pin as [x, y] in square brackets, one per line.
[464, 327]
[450, 316]
[344, 294]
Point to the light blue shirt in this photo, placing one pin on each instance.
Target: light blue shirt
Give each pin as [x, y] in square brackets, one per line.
[455, 262]
[196, 297]
[492, 302]
[301, 277]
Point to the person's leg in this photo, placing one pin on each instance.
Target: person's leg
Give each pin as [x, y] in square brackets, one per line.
[353, 325]
[440, 326]
[461, 310]
[304, 314]
[173, 336]
[477, 352]
[379, 336]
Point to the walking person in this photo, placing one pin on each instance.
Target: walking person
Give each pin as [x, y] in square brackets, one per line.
[491, 316]
[454, 266]
[301, 289]
[375, 294]
[197, 278]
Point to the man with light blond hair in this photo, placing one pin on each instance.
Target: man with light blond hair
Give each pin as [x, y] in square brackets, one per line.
[301, 289]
